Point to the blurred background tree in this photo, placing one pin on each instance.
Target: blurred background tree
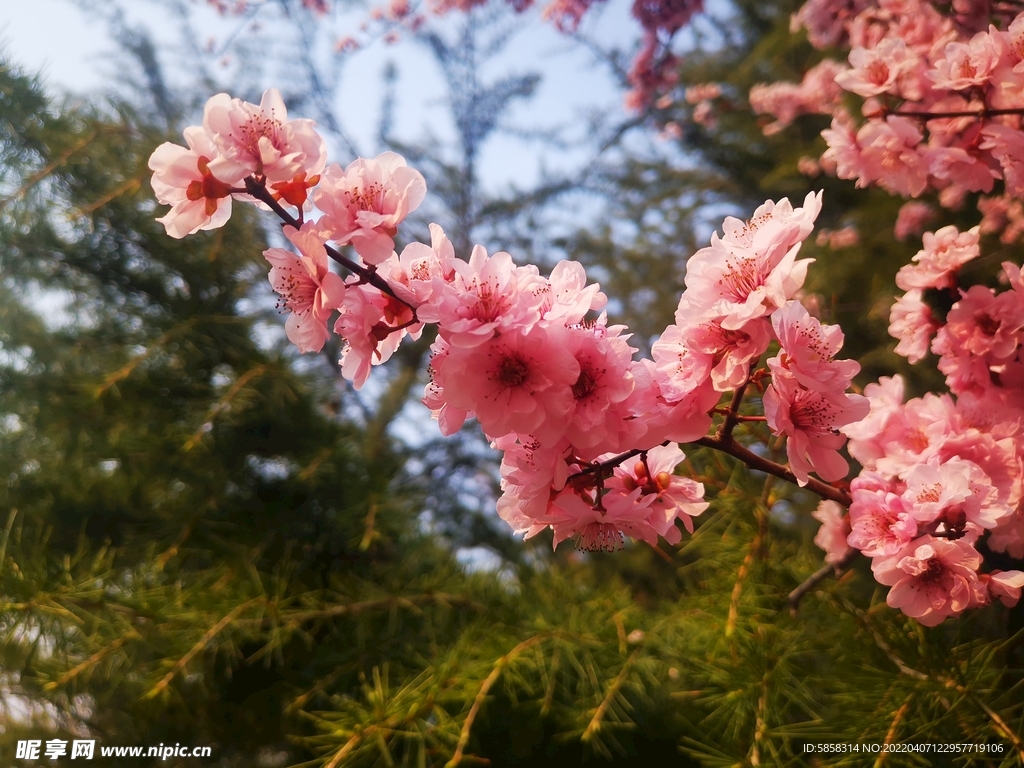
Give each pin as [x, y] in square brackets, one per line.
[211, 541]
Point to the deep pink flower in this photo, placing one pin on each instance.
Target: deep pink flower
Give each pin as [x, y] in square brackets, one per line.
[308, 289]
[932, 579]
[810, 420]
[808, 350]
[515, 383]
[364, 204]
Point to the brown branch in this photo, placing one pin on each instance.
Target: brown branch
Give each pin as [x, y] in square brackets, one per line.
[729, 423]
[981, 113]
[818, 576]
[614, 461]
[761, 464]
[259, 190]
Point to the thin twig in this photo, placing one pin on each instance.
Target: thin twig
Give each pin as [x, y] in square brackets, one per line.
[499, 665]
[595, 722]
[818, 576]
[259, 190]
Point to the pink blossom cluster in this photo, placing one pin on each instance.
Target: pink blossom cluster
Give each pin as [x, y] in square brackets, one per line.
[942, 97]
[589, 432]
[943, 471]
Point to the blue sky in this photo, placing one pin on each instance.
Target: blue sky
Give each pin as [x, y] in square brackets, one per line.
[73, 53]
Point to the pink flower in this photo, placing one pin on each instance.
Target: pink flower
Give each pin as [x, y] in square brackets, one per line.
[982, 323]
[967, 65]
[890, 157]
[196, 183]
[659, 417]
[679, 369]
[419, 274]
[944, 252]
[364, 204]
[808, 350]
[676, 497]
[809, 419]
[752, 269]
[877, 70]
[515, 383]
[1005, 586]
[730, 351]
[308, 289]
[449, 419]
[368, 320]
[567, 297]
[912, 218]
[1007, 146]
[844, 152]
[932, 579]
[597, 420]
[868, 436]
[262, 139]
[487, 296]
[594, 529]
[963, 171]
[880, 524]
[835, 527]
[911, 322]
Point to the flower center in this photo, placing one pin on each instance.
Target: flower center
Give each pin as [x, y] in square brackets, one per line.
[603, 537]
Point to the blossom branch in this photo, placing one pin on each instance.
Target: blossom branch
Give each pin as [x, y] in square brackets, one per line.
[258, 189]
[979, 113]
[753, 461]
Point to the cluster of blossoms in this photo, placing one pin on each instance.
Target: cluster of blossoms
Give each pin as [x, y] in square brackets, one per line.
[942, 471]
[942, 102]
[590, 433]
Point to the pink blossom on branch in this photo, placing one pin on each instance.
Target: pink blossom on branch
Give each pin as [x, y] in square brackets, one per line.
[196, 183]
[307, 287]
[932, 579]
[364, 204]
[262, 139]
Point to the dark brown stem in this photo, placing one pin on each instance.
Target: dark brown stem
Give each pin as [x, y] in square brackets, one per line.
[258, 189]
[982, 113]
[732, 416]
[818, 576]
[752, 460]
[601, 468]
